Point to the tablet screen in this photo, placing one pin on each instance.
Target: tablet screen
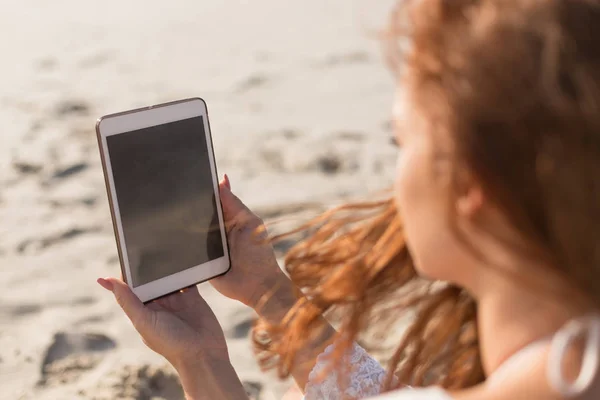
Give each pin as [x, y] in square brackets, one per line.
[165, 198]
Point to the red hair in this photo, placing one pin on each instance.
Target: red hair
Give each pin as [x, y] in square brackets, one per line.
[516, 83]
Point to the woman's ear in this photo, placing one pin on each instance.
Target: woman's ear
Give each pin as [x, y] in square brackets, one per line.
[469, 201]
[469, 194]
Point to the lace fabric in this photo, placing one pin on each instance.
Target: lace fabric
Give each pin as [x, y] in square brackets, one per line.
[365, 380]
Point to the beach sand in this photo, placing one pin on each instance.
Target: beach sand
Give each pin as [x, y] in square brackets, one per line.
[299, 102]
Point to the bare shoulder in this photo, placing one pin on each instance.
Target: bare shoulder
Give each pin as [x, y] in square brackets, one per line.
[525, 380]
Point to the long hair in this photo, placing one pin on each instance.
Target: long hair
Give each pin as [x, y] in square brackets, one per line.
[517, 85]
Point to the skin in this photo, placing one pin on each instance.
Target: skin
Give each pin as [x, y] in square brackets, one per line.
[512, 313]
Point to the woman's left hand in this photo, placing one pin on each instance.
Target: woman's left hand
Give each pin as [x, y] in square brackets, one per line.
[182, 328]
[179, 326]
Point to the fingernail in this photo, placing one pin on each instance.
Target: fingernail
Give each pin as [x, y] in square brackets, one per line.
[105, 284]
[227, 183]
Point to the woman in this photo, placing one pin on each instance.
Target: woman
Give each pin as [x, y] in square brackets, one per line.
[497, 261]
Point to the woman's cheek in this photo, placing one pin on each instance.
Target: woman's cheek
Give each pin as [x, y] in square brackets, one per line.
[401, 186]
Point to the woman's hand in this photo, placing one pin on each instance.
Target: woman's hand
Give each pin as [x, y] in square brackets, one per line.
[254, 273]
[182, 328]
[254, 269]
[178, 326]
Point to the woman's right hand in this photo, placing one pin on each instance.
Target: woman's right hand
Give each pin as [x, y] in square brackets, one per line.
[254, 273]
[254, 270]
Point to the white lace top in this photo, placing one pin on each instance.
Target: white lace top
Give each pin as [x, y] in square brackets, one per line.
[365, 380]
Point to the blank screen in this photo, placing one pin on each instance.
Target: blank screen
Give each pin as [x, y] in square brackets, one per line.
[166, 198]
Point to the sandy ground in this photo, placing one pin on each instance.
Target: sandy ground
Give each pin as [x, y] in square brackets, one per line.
[299, 103]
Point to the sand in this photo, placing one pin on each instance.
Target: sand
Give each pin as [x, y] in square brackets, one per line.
[299, 102]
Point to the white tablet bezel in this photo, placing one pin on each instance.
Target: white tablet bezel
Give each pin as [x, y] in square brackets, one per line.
[115, 124]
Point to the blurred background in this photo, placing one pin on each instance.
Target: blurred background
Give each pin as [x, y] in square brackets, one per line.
[299, 101]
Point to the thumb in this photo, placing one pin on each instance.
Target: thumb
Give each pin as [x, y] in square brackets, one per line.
[232, 205]
[129, 302]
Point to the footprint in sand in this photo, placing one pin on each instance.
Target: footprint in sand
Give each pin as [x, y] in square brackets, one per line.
[112, 260]
[282, 246]
[146, 382]
[329, 163]
[88, 201]
[83, 301]
[26, 168]
[92, 319]
[69, 171]
[337, 154]
[143, 382]
[353, 136]
[22, 310]
[253, 82]
[47, 64]
[72, 354]
[71, 107]
[356, 57]
[243, 322]
[241, 330]
[253, 389]
[45, 242]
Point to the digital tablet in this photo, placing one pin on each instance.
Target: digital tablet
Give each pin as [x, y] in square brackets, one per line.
[163, 193]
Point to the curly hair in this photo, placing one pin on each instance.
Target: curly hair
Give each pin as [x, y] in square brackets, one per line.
[516, 83]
